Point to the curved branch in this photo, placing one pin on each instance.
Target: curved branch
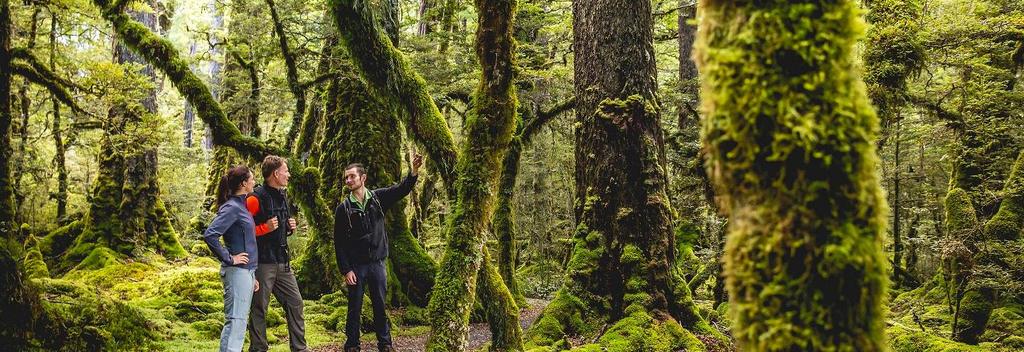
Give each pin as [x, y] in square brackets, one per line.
[292, 75]
[531, 127]
[27, 56]
[161, 54]
[52, 84]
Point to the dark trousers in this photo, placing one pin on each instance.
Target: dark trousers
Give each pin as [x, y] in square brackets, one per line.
[374, 277]
[279, 280]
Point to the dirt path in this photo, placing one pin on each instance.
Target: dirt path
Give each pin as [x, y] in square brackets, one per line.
[479, 334]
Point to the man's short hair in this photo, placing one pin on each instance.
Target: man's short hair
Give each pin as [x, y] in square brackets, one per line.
[360, 170]
[270, 164]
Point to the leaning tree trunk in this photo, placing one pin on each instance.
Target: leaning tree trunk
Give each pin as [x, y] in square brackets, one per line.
[620, 280]
[125, 214]
[790, 138]
[489, 131]
[58, 141]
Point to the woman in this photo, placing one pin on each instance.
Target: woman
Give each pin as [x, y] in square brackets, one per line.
[238, 260]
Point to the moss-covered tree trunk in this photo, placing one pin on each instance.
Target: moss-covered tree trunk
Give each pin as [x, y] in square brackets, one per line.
[489, 130]
[58, 141]
[1008, 223]
[20, 308]
[972, 301]
[621, 291]
[392, 78]
[790, 138]
[125, 213]
[359, 127]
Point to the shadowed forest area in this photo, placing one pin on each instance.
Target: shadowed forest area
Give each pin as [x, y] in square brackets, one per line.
[599, 175]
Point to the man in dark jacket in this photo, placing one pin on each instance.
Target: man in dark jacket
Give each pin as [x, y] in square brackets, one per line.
[361, 247]
[268, 205]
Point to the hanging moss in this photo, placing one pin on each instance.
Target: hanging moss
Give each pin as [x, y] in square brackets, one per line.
[1008, 223]
[790, 139]
[161, 54]
[893, 52]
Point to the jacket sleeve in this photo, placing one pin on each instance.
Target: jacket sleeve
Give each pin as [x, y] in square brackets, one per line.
[388, 196]
[340, 236]
[226, 216]
[252, 203]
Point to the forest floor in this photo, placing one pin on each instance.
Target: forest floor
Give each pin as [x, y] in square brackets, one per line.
[415, 338]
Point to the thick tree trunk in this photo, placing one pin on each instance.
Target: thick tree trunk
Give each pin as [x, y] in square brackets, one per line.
[793, 160]
[620, 281]
[359, 127]
[391, 77]
[126, 214]
[1008, 223]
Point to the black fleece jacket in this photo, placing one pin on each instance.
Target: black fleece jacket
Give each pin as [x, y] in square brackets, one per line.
[359, 234]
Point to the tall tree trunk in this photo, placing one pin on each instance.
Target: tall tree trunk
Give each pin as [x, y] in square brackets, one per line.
[292, 75]
[20, 307]
[1008, 223]
[619, 276]
[189, 115]
[793, 160]
[58, 141]
[489, 131]
[25, 105]
[313, 123]
[897, 240]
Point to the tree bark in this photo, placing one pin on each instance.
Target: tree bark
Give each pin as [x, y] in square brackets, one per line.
[793, 160]
[58, 141]
[619, 277]
[489, 132]
[20, 307]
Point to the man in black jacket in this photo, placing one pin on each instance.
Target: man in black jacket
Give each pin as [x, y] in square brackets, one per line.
[361, 247]
[274, 223]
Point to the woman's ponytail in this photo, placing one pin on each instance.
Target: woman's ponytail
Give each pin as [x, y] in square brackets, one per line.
[229, 183]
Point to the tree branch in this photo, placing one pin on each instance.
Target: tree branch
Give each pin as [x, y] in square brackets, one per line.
[48, 82]
[161, 54]
[531, 127]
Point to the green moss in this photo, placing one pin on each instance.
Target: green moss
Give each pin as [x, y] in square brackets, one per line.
[790, 137]
[98, 258]
[902, 339]
[91, 321]
[974, 312]
[61, 239]
[162, 55]
[316, 269]
[1008, 222]
[33, 264]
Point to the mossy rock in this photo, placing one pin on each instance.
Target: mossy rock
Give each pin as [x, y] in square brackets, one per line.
[91, 321]
[33, 264]
[1005, 321]
[98, 258]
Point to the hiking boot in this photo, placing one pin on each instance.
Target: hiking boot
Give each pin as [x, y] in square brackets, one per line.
[387, 348]
[351, 349]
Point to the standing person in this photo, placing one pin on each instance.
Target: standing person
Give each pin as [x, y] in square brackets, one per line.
[238, 266]
[268, 205]
[361, 247]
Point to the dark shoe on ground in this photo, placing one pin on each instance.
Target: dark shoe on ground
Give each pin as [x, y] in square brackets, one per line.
[352, 349]
[387, 349]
